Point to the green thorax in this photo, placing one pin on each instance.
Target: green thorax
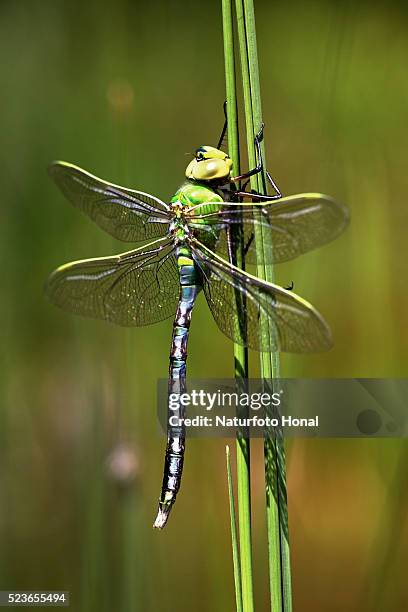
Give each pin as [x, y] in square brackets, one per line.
[192, 193]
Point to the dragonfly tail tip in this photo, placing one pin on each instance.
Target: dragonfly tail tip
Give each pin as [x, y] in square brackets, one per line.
[161, 518]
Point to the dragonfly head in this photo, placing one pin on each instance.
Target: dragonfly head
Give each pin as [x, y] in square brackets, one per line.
[209, 164]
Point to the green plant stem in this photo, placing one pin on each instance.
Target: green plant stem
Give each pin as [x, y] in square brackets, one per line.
[234, 536]
[240, 352]
[274, 456]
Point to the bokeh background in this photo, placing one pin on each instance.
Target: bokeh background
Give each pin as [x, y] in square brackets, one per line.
[125, 89]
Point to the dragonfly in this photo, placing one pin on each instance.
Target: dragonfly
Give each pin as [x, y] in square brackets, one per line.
[190, 248]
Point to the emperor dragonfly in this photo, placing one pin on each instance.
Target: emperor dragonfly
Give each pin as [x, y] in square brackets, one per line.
[194, 242]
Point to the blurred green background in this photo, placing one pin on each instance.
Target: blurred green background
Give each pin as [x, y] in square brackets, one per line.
[125, 89]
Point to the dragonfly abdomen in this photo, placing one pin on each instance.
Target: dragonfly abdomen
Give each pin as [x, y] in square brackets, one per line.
[174, 458]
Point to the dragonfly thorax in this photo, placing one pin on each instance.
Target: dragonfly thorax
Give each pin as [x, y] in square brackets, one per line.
[189, 206]
[178, 208]
[178, 226]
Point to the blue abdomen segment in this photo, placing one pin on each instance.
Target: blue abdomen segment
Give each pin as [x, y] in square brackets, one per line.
[174, 458]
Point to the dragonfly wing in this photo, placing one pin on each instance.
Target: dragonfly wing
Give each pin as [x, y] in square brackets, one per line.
[296, 224]
[296, 326]
[135, 288]
[304, 222]
[229, 226]
[131, 216]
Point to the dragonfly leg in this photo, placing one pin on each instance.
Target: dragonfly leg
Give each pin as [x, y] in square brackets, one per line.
[290, 287]
[259, 164]
[259, 168]
[274, 185]
[224, 129]
[254, 195]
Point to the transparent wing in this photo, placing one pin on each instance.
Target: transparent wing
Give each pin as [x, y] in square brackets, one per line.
[135, 288]
[297, 224]
[296, 326]
[131, 216]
